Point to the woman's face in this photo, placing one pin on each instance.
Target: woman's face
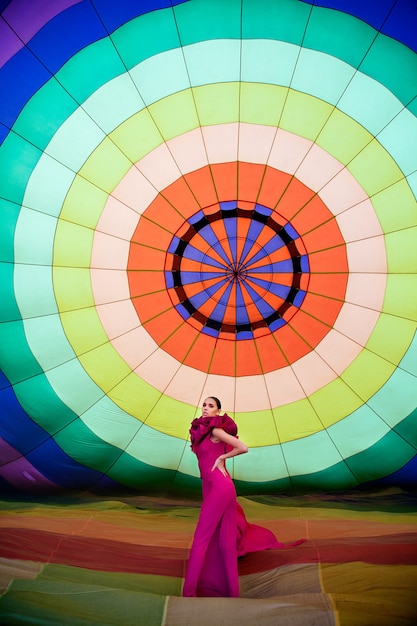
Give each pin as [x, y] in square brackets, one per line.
[210, 408]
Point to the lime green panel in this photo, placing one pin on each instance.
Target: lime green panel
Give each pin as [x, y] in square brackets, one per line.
[175, 115]
[81, 325]
[90, 68]
[391, 337]
[402, 251]
[73, 245]
[106, 368]
[339, 35]
[199, 20]
[171, 416]
[334, 401]
[33, 288]
[48, 108]
[342, 137]
[136, 40]
[304, 115]
[138, 136]
[402, 198]
[392, 64]
[401, 296]
[217, 104]
[285, 20]
[261, 103]
[12, 338]
[296, 420]
[72, 287]
[374, 168]
[84, 203]
[106, 166]
[367, 374]
[249, 429]
[17, 161]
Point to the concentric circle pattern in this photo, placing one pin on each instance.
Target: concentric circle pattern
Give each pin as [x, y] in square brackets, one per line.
[240, 275]
[208, 198]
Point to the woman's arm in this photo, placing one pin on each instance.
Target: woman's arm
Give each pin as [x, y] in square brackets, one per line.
[238, 447]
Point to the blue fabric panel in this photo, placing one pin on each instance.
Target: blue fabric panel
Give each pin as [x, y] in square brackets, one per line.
[20, 78]
[115, 13]
[61, 38]
[199, 299]
[241, 313]
[254, 229]
[66, 34]
[231, 230]
[278, 290]
[394, 19]
[213, 289]
[39, 448]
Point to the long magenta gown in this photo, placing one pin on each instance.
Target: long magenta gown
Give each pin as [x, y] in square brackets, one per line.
[222, 533]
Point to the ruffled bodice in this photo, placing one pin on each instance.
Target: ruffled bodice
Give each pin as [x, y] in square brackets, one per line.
[202, 426]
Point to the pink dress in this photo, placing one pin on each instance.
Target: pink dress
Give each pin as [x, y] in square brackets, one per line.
[222, 532]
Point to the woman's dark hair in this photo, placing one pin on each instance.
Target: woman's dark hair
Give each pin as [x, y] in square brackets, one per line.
[217, 401]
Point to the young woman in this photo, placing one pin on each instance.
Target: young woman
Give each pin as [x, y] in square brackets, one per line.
[222, 532]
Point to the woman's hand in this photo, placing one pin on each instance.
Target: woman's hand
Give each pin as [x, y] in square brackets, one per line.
[237, 447]
[219, 464]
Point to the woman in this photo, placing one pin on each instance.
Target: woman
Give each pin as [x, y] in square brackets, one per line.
[222, 532]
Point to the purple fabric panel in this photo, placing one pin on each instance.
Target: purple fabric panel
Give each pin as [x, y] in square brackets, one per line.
[10, 43]
[17, 471]
[7, 453]
[26, 18]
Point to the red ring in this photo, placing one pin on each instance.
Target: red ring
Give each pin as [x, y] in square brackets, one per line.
[248, 184]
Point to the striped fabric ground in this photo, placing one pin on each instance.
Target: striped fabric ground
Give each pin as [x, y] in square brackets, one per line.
[121, 561]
